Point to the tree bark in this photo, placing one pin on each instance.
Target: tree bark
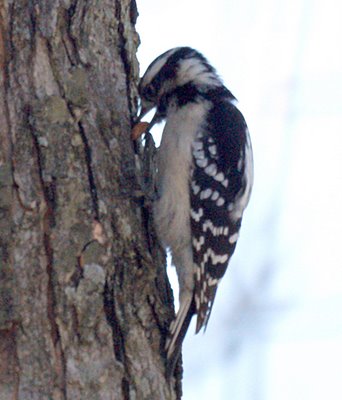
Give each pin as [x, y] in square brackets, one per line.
[85, 303]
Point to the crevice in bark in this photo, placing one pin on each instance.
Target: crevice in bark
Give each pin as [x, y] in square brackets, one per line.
[49, 193]
[6, 54]
[75, 322]
[162, 328]
[87, 147]
[125, 389]
[53, 67]
[9, 361]
[71, 11]
[109, 309]
[122, 41]
[73, 54]
[32, 13]
[16, 188]
[117, 333]
[147, 181]
[6, 46]
[78, 274]
[91, 179]
[133, 12]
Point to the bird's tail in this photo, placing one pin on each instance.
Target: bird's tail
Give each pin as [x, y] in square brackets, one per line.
[178, 329]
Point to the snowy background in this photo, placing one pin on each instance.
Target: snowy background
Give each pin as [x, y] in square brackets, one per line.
[276, 328]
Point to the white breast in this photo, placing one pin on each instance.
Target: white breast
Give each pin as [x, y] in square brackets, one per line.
[172, 209]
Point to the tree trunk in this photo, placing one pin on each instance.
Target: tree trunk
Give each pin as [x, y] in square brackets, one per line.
[84, 299]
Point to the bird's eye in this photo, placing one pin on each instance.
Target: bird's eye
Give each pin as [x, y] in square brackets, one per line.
[149, 93]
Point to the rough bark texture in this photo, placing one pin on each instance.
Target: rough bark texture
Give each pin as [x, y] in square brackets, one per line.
[84, 299]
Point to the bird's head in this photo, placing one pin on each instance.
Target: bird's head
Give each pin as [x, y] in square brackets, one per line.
[175, 69]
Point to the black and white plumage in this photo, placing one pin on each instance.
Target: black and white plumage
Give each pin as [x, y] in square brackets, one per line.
[204, 178]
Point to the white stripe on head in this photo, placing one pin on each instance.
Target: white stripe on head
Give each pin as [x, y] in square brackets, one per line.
[156, 66]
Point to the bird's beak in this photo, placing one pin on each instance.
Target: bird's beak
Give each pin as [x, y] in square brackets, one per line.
[140, 127]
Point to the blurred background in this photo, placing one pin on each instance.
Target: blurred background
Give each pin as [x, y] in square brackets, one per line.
[276, 328]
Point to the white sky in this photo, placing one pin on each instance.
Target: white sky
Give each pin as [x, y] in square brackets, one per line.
[276, 328]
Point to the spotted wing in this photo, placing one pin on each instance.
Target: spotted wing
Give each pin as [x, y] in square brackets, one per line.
[219, 183]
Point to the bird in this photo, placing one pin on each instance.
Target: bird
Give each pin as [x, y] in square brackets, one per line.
[204, 178]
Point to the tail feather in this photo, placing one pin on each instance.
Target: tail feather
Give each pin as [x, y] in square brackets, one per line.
[178, 330]
[203, 309]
